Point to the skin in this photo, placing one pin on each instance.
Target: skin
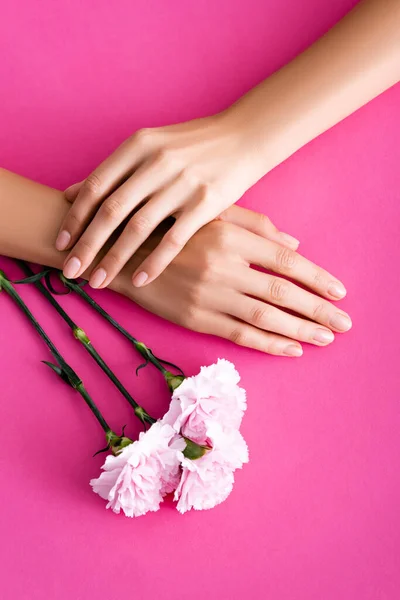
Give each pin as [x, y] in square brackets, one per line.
[196, 170]
[210, 286]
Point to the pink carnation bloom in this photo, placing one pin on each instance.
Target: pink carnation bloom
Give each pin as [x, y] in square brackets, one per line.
[208, 481]
[136, 480]
[212, 395]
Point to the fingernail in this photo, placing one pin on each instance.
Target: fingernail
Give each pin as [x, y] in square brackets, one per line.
[97, 278]
[341, 322]
[62, 240]
[72, 267]
[140, 279]
[323, 336]
[336, 289]
[293, 350]
[289, 240]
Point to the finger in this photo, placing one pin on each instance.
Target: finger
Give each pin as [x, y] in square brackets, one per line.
[95, 188]
[284, 261]
[150, 176]
[281, 292]
[171, 244]
[270, 318]
[244, 334]
[72, 191]
[259, 224]
[137, 230]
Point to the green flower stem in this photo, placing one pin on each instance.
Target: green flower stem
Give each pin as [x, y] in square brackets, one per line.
[72, 377]
[85, 395]
[81, 336]
[172, 380]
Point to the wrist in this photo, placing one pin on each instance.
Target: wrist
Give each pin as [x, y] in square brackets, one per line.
[261, 134]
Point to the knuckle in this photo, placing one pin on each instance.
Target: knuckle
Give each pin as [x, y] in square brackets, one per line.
[190, 317]
[278, 289]
[112, 209]
[285, 259]
[223, 234]
[206, 270]
[113, 260]
[84, 247]
[237, 336]
[73, 222]
[188, 175]
[318, 279]
[164, 156]
[93, 185]
[174, 240]
[143, 138]
[204, 192]
[196, 294]
[264, 222]
[259, 316]
[139, 224]
[318, 312]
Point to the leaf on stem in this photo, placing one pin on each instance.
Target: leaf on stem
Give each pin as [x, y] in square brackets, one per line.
[34, 278]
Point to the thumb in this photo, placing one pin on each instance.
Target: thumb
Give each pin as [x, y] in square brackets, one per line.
[259, 224]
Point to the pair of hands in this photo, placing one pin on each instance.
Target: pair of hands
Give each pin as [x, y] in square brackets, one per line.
[197, 272]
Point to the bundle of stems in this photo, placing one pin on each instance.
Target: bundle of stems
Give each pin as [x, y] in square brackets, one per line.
[173, 380]
[82, 338]
[64, 370]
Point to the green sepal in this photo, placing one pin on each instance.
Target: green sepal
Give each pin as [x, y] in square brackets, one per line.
[173, 381]
[117, 442]
[194, 451]
[143, 415]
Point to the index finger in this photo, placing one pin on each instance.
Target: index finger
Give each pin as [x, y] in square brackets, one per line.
[170, 246]
[100, 183]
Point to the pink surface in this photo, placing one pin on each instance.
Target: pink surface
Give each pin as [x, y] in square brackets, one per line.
[315, 515]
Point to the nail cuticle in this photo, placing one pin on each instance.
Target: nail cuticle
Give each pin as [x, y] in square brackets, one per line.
[293, 350]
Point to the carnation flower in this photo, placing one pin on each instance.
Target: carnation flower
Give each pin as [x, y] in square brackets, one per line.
[136, 480]
[212, 395]
[208, 481]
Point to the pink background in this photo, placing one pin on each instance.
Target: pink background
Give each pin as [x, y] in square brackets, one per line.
[315, 515]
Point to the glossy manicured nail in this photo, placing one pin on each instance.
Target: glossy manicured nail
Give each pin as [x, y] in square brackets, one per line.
[293, 350]
[97, 278]
[140, 279]
[72, 267]
[323, 336]
[62, 240]
[340, 322]
[336, 289]
[289, 240]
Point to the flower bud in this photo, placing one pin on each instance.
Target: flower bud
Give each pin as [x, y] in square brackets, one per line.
[173, 381]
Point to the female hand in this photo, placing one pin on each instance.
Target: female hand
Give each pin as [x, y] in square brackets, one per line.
[193, 171]
[210, 287]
